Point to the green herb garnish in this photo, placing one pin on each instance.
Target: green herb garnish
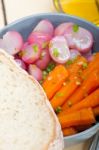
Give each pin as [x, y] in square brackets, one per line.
[75, 28]
[58, 110]
[59, 94]
[69, 62]
[55, 52]
[50, 67]
[85, 65]
[35, 48]
[44, 75]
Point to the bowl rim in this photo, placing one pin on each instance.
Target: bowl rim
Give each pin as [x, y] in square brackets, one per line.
[48, 14]
[79, 135]
[96, 126]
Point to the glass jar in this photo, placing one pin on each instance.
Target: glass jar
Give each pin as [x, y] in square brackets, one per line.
[87, 9]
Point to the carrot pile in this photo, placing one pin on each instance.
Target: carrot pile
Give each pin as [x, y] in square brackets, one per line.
[73, 91]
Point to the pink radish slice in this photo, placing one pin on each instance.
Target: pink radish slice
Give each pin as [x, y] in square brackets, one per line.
[25, 45]
[35, 72]
[59, 50]
[31, 53]
[74, 53]
[79, 38]
[60, 29]
[13, 42]
[21, 63]
[44, 26]
[39, 38]
[44, 59]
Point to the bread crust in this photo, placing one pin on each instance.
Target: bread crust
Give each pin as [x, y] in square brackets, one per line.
[56, 141]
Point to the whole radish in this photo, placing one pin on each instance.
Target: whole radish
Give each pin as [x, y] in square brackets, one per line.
[61, 28]
[78, 38]
[31, 53]
[44, 59]
[13, 42]
[39, 38]
[35, 72]
[44, 26]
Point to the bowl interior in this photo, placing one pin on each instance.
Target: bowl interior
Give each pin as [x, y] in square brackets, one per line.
[26, 25]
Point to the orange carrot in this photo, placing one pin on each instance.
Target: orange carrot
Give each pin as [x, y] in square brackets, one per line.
[88, 86]
[70, 85]
[76, 65]
[55, 80]
[69, 131]
[66, 90]
[96, 111]
[94, 64]
[91, 101]
[81, 117]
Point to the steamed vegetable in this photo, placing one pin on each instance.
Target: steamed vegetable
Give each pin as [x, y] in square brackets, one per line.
[61, 28]
[79, 38]
[88, 86]
[69, 131]
[55, 80]
[35, 72]
[13, 42]
[39, 38]
[90, 101]
[74, 54]
[65, 91]
[44, 59]
[31, 53]
[81, 117]
[59, 50]
[44, 26]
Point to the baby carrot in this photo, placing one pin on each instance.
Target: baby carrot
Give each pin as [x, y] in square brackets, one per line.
[65, 91]
[90, 101]
[70, 85]
[55, 80]
[94, 64]
[69, 131]
[88, 86]
[81, 117]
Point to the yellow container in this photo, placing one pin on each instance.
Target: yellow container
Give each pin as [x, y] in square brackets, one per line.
[87, 9]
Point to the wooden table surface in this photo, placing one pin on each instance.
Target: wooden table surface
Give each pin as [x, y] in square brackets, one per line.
[15, 9]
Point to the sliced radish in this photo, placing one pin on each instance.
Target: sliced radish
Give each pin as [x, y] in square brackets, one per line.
[44, 59]
[74, 53]
[31, 53]
[13, 42]
[60, 29]
[35, 72]
[21, 63]
[79, 38]
[25, 45]
[59, 50]
[39, 38]
[44, 26]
